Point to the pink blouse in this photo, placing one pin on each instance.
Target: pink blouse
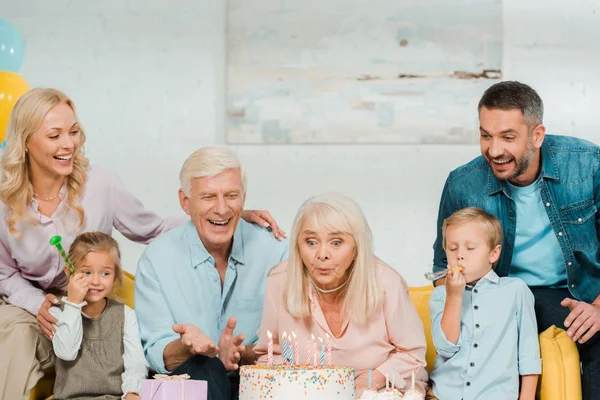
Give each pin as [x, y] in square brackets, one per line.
[391, 339]
[29, 265]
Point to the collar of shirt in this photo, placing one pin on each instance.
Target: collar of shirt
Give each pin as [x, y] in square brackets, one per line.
[490, 277]
[200, 255]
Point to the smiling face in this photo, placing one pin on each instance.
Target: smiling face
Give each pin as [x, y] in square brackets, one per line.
[467, 246]
[326, 254]
[52, 147]
[509, 146]
[215, 206]
[98, 267]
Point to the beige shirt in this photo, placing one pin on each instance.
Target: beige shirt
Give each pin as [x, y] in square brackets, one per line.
[391, 340]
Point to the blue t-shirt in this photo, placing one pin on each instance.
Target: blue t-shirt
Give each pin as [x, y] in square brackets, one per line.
[537, 258]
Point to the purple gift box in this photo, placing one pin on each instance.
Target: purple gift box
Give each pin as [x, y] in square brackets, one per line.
[188, 389]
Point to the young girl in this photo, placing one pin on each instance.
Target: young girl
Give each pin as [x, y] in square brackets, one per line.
[97, 342]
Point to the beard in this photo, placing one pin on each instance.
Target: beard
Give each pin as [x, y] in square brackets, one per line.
[521, 167]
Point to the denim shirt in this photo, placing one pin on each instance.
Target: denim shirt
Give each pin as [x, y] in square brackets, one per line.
[569, 185]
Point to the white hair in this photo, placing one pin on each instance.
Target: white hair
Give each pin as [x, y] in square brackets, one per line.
[208, 162]
[335, 212]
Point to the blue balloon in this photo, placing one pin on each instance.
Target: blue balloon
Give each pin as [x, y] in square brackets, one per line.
[12, 47]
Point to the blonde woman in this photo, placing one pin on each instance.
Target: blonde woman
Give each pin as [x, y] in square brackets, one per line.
[47, 188]
[332, 284]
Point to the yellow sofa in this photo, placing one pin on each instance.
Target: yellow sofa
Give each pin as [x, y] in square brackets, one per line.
[560, 379]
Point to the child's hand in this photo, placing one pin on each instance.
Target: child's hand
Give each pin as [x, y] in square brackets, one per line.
[455, 282]
[77, 289]
[132, 396]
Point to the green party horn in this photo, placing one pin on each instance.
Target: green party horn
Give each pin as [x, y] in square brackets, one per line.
[55, 241]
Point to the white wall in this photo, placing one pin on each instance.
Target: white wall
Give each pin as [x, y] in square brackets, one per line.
[148, 78]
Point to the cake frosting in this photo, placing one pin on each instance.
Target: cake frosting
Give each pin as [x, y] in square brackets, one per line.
[369, 394]
[295, 382]
[413, 395]
[391, 394]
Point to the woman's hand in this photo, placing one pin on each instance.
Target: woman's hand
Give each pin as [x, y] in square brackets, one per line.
[362, 382]
[263, 218]
[45, 319]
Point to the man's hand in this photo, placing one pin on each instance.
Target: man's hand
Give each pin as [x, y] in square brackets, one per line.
[455, 282]
[583, 321]
[231, 347]
[196, 341]
[77, 289]
[45, 319]
[263, 218]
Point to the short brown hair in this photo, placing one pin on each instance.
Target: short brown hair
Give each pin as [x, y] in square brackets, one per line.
[471, 214]
[97, 242]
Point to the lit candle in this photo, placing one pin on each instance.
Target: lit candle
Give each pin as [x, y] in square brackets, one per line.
[296, 349]
[290, 352]
[284, 349]
[328, 349]
[270, 348]
[308, 349]
[322, 356]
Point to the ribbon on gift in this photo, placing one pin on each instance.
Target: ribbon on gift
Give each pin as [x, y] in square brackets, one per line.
[162, 377]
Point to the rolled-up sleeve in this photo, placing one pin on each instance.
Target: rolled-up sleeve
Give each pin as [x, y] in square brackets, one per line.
[405, 331]
[154, 317]
[443, 346]
[446, 208]
[132, 219]
[530, 362]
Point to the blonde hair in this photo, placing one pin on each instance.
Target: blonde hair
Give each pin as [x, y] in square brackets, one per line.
[363, 293]
[490, 223]
[208, 162]
[16, 189]
[97, 242]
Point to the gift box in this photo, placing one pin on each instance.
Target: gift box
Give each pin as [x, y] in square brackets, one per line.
[178, 387]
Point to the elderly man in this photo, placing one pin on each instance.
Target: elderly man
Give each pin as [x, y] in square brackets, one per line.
[545, 190]
[199, 282]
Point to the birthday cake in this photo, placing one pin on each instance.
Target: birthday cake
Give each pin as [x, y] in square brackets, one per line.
[295, 382]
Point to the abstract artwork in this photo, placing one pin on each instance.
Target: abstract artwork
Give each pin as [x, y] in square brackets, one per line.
[360, 71]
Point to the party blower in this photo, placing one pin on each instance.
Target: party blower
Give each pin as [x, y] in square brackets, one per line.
[55, 241]
[434, 276]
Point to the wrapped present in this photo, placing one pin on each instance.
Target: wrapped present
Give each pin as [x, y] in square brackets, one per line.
[176, 387]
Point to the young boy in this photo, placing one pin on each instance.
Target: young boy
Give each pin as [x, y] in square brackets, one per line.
[483, 326]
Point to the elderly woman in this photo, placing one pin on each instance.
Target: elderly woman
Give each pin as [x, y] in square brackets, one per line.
[332, 284]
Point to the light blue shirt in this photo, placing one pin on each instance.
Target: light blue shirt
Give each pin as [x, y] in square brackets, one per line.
[537, 257]
[498, 341]
[177, 282]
